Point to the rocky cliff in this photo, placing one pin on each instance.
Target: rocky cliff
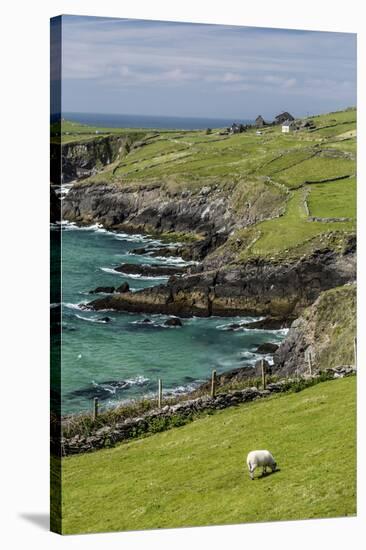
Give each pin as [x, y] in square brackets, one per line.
[85, 158]
[326, 330]
[258, 287]
[160, 207]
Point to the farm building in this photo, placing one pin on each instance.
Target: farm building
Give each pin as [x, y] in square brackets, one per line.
[283, 117]
[288, 126]
[259, 121]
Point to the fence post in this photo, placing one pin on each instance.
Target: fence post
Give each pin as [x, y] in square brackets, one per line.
[160, 393]
[95, 408]
[263, 374]
[310, 364]
[355, 350]
[213, 384]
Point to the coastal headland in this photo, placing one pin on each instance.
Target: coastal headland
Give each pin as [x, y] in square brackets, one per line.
[267, 220]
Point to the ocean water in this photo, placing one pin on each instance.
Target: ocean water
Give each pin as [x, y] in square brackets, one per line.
[123, 358]
[146, 121]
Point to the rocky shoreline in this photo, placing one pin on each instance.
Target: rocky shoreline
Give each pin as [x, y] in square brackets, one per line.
[217, 284]
[255, 288]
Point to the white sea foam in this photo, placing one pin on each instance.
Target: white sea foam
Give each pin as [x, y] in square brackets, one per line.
[137, 238]
[134, 275]
[90, 319]
[174, 260]
[179, 390]
[71, 226]
[241, 322]
[74, 306]
[113, 388]
[282, 331]
[145, 277]
[155, 324]
[248, 354]
[110, 270]
[138, 380]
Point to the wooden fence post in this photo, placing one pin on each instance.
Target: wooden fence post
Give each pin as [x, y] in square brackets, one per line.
[213, 384]
[95, 408]
[355, 350]
[263, 374]
[160, 393]
[310, 364]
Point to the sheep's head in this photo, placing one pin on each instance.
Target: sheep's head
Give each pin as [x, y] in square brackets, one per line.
[274, 466]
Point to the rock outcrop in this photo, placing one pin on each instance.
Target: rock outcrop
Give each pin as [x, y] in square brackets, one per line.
[209, 213]
[85, 158]
[146, 270]
[259, 287]
[326, 330]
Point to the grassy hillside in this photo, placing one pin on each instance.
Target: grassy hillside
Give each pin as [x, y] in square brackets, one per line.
[302, 175]
[195, 475]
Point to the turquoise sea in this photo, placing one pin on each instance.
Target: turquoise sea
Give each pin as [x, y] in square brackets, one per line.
[123, 358]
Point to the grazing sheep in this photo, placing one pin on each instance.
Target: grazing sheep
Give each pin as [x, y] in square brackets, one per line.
[260, 458]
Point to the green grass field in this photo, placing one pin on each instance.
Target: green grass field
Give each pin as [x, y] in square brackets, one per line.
[196, 474]
[335, 199]
[272, 172]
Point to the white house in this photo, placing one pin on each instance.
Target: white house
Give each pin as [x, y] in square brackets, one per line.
[288, 126]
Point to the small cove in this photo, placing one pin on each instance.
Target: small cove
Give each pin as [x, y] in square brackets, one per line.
[122, 358]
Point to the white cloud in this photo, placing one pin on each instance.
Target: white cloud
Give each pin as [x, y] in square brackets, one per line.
[121, 54]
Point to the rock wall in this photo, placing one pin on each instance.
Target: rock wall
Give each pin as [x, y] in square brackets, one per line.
[181, 413]
[110, 435]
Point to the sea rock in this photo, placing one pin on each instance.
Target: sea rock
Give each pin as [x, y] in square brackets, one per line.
[267, 347]
[258, 287]
[103, 289]
[173, 322]
[233, 326]
[105, 319]
[269, 323]
[156, 252]
[124, 287]
[150, 270]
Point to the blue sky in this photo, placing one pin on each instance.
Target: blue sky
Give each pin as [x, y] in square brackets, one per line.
[183, 69]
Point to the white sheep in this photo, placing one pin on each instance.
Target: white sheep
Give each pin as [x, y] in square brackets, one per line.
[260, 458]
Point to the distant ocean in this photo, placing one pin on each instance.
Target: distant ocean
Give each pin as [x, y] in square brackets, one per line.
[146, 121]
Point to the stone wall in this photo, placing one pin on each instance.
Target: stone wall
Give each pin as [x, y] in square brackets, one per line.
[179, 414]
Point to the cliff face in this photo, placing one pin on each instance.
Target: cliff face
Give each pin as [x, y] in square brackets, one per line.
[83, 159]
[326, 329]
[255, 288]
[160, 207]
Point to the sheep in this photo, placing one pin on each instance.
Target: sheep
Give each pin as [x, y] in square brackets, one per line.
[260, 458]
